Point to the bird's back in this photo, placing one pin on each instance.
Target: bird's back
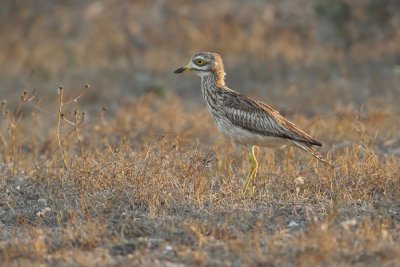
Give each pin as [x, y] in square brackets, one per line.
[247, 120]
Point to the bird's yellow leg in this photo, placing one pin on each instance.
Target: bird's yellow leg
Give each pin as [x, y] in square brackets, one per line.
[253, 172]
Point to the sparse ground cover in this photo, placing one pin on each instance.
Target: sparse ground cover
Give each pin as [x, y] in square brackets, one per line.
[149, 181]
[154, 184]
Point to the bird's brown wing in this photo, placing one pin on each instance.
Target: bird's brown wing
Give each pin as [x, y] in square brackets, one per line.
[260, 118]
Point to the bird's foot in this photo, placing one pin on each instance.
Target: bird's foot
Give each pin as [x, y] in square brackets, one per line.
[249, 186]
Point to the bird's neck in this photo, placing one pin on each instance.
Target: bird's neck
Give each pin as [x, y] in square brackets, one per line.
[213, 81]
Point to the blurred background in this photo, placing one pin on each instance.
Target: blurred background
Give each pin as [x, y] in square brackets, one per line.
[315, 56]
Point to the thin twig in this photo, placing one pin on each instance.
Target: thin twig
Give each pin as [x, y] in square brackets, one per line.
[59, 118]
[75, 99]
[77, 124]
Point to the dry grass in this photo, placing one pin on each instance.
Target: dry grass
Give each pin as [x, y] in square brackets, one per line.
[149, 180]
[154, 184]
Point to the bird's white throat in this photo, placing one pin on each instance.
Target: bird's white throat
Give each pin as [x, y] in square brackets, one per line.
[203, 73]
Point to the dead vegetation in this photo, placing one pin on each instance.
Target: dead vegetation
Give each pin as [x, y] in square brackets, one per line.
[155, 184]
[127, 173]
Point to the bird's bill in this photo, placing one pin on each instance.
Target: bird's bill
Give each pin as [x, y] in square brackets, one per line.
[183, 69]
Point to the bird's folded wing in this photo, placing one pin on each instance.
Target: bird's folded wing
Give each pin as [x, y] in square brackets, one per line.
[260, 118]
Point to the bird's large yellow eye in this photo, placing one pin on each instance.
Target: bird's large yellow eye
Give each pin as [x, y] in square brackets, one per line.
[199, 62]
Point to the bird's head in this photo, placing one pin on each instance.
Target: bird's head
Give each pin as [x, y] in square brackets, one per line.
[205, 64]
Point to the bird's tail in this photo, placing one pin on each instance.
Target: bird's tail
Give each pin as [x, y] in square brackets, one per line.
[312, 151]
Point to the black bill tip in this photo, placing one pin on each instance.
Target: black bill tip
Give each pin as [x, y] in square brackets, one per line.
[180, 70]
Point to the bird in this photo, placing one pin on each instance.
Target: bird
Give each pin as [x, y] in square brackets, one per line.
[243, 119]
